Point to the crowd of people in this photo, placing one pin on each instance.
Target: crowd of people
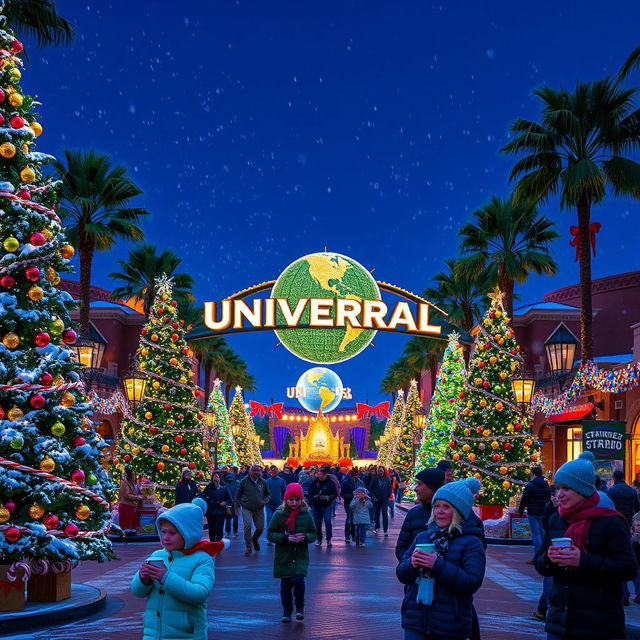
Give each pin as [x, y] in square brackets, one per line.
[586, 543]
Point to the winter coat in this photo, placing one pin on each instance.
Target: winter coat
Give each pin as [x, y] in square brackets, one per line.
[367, 480]
[128, 493]
[289, 477]
[291, 558]
[380, 488]
[349, 485]
[458, 575]
[586, 601]
[305, 482]
[277, 487]
[625, 499]
[232, 483]
[252, 495]
[360, 511]
[213, 497]
[177, 608]
[186, 491]
[535, 497]
[325, 489]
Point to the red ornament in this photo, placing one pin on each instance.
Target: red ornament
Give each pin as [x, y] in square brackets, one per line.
[185, 350]
[508, 445]
[492, 314]
[485, 384]
[51, 521]
[17, 122]
[436, 402]
[196, 393]
[166, 319]
[144, 332]
[71, 530]
[160, 466]
[174, 303]
[487, 346]
[2, 95]
[183, 452]
[175, 325]
[2, 120]
[46, 379]
[192, 465]
[174, 336]
[167, 406]
[198, 416]
[17, 47]
[69, 336]
[452, 444]
[200, 474]
[127, 457]
[115, 461]
[78, 476]
[24, 194]
[78, 441]
[159, 311]
[42, 339]
[517, 426]
[12, 534]
[528, 442]
[512, 352]
[10, 506]
[461, 395]
[32, 273]
[180, 416]
[152, 429]
[37, 401]
[179, 438]
[37, 239]
[7, 282]
[496, 457]
[2, 413]
[481, 364]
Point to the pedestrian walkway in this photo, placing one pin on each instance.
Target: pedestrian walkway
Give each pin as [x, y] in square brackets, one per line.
[352, 594]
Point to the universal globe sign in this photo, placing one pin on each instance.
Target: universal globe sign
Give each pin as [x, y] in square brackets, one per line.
[324, 307]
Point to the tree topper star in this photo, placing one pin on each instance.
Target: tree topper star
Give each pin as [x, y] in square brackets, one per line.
[164, 284]
[496, 296]
[453, 339]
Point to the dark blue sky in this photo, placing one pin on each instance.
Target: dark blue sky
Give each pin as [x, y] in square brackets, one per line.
[262, 131]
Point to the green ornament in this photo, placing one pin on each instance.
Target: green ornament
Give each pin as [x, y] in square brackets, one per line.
[17, 442]
[91, 479]
[11, 244]
[57, 429]
[56, 327]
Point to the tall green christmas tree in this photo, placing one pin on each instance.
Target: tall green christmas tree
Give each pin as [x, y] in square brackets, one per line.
[256, 456]
[226, 454]
[52, 484]
[443, 407]
[240, 428]
[165, 434]
[492, 440]
[403, 452]
[389, 437]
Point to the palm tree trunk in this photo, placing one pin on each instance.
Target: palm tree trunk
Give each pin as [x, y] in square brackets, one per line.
[467, 316]
[586, 309]
[86, 260]
[207, 384]
[506, 286]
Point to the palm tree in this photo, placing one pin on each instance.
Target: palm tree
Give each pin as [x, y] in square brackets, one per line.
[421, 354]
[461, 295]
[38, 19]
[632, 63]
[211, 352]
[397, 376]
[140, 271]
[577, 150]
[508, 240]
[95, 205]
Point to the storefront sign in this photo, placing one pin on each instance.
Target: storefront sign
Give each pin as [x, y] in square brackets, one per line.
[606, 440]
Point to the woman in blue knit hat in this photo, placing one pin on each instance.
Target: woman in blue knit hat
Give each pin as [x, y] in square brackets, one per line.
[587, 550]
[442, 578]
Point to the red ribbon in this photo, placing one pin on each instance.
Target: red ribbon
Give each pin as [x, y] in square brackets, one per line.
[274, 409]
[6, 585]
[594, 227]
[381, 410]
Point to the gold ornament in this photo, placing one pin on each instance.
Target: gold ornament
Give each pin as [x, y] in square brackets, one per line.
[503, 375]
[131, 430]
[173, 361]
[499, 406]
[11, 244]
[165, 296]
[67, 251]
[477, 381]
[15, 413]
[170, 422]
[503, 470]
[467, 432]
[506, 484]
[183, 380]
[68, 399]
[495, 445]
[36, 511]
[15, 99]
[165, 448]
[510, 428]
[11, 340]
[83, 512]
[155, 384]
[145, 351]
[486, 433]
[148, 415]
[7, 150]
[498, 313]
[58, 379]
[47, 465]
[154, 337]
[14, 75]
[493, 359]
[35, 293]
[5, 514]
[135, 451]
[36, 127]
[472, 456]
[483, 403]
[477, 476]
[47, 234]
[25, 148]
[27, 175]
[50, 273]
[466, 448]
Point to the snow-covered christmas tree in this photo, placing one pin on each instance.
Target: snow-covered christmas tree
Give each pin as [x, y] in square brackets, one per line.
[52, 484]
[389, 436]
[242, 433]
[227, 455]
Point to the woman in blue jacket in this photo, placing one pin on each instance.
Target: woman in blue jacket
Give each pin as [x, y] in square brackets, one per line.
[440, 584]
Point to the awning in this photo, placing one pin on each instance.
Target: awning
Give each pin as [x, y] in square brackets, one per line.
[576, 412]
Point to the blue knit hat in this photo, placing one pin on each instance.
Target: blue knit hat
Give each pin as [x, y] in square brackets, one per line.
[459, 495]
[578, 474]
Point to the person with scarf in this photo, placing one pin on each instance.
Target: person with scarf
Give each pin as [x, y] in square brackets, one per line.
[186, 488]
[291, 529]
[588, 574]
[440, 583]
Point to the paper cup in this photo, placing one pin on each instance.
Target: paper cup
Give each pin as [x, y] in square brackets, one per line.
[561, 542]
[428, 547]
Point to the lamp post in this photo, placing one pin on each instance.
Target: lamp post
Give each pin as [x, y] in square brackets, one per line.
[88, 351]
[209, 418]
[523, 390]
[561, 353]
[419, 422]
[135, 385]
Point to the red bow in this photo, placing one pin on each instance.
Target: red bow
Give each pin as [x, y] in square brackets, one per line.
[381, 410]
[274, 409]
[6, 586]
[594, 227]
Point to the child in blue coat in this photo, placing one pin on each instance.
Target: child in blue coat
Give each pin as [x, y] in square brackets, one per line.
[177, 579]
[359, 508]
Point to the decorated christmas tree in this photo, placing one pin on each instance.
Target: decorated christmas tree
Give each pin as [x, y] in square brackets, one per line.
[402, 459]
[242, 432]
[165, 435]
[390, 437]
[226, 455]
[443, 407]
[256, 456]
[52, 484]
[492, 439]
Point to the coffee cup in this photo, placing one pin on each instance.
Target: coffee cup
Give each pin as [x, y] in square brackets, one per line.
[426, 547]
[561, 542]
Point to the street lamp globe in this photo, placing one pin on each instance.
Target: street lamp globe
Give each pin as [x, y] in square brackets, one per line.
[135, 385]
[561, 351]
[88, 349]
[523, 389]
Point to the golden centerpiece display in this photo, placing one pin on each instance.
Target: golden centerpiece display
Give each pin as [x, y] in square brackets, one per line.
[319, 443]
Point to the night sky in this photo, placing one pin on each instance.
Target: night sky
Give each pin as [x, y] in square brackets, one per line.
[263, 131]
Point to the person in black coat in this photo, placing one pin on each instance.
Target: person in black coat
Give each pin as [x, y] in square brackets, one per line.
[186, 488]
[218, 498]
[588, 576]
[350, 483]
[624, 497]
[380, 491]
[438, 600]
[322, 495]
[535, 499]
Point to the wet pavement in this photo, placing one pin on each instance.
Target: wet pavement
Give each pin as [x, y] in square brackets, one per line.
[352, 594]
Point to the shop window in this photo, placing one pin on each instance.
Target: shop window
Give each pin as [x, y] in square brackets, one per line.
[574, 442]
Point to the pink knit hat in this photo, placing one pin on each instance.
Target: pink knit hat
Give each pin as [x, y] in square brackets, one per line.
[294, 490]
